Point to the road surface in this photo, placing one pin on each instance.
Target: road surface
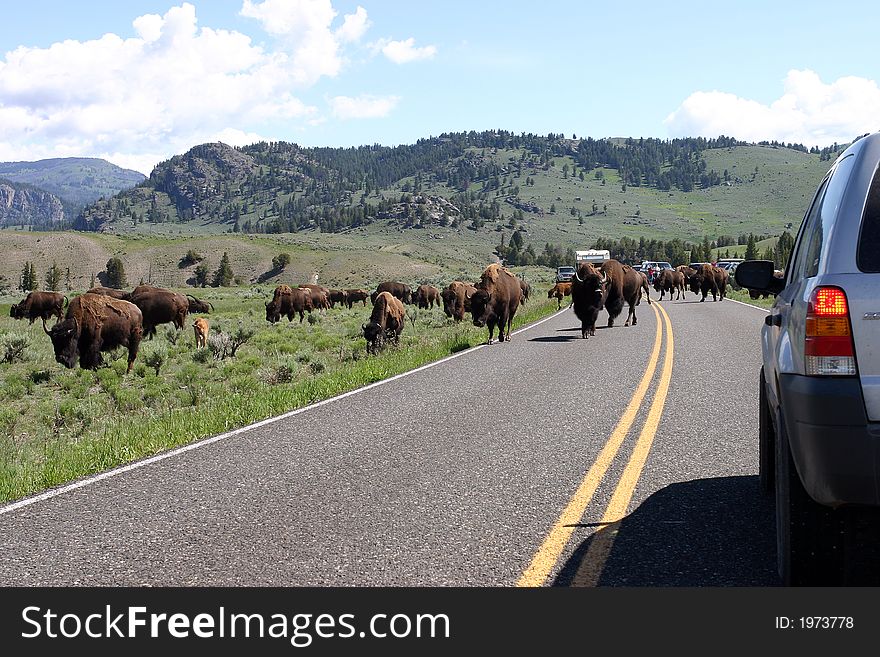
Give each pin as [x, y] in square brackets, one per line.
[628, 459]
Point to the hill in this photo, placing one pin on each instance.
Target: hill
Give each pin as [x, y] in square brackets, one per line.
[75, 181]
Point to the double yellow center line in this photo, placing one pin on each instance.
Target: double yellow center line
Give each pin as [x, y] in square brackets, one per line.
[554, 544]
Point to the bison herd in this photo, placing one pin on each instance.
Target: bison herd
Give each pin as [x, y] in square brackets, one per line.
[104, 319]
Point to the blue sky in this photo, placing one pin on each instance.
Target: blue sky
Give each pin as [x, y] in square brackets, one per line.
[136, 82]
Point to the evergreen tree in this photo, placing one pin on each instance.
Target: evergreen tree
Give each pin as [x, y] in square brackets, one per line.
[751, 250]
[223, 277]
[53, 277]
[115, 273]
[201, 275]
[28, 277]
[67, 283]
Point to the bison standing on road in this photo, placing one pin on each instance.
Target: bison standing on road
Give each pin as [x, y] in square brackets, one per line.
[386, 322]
[709, 279]
[159, 306]
[669, 281]
[588, 296]
[289, 301]
[40, 305]
[426, 296]
[624, 285]
[560, 290]
[96, 323]
[457, 299]
[496, 300]
[353, 296]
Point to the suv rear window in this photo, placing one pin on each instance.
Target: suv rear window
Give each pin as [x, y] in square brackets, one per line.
[868, 256]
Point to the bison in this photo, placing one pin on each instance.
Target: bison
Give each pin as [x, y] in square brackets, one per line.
[353, 296]
[457, 299]
[559, 291]
[96, 323]
[526, 290]
[669, 281]
[200, 329]
[426, 296]
[624, 285]
[400, 290]
[709, 279]
[159, 306]
[108, 292]
[40, 305]
[496, 300]
[386, 322]
[289, 301]
[588, 296]
[336, 296]
[320, 295]
[198, 306]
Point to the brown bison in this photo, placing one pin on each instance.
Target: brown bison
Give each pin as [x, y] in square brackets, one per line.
[624, 285]
[159, 306]
[96, 323]
[709, 279]
[386, 322]
[40, 305]
[289, 301]
[198, 306]
[353, 296]
[588, 296]
[320, 295]
[457, 299]
[426, 296]
[496, 300]
[200, 330]
[669, 281]
[336, 296]
[755, 294]
[526, 290]
[108, 292]
[559, 291]
[400, 290]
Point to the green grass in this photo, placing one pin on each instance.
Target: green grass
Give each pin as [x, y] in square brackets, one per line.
[57, 425]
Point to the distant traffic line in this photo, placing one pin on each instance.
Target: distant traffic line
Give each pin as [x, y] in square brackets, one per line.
[27, 501]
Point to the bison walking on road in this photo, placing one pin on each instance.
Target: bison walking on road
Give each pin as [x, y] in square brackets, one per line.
[96, 323]
[386, 322]
[39, 305]
[588, 296]
[496, 300]
[624, 286]
[669, 281]
[709, 279]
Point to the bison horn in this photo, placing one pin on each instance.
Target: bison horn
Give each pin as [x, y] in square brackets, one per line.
[45, 329]
[578, 278]
[604, 278]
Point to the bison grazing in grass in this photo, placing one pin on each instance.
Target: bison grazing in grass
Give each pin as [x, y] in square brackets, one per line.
[39, 305]
[386, 322]
[159, 306]
[337, 296]
[200, 329]
[289, 301]
[198, 306]
[526, 290]
[559, 291]
[320, 295]
[109, 292]
[96, 323]
[426, 296]
[398, 290]
[353, 296]
[457, 299]
[496, 300]
[588, 296]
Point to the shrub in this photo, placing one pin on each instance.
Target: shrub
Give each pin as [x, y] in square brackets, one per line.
[202, 355]
[172, 334]
[156, 358]
[13, 346]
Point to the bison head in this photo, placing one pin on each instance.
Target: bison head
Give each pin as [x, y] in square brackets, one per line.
[65, 341]
[695, 282]
[273, 312]
[16, 311]
[448, 297]
[199, 306]
[481, 307]
[374, 335]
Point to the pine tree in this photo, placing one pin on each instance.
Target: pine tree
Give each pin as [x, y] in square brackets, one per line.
[115, 274]
[751, 250]
[223, 277]
[201, 275]
[67, 283]
[53, 277]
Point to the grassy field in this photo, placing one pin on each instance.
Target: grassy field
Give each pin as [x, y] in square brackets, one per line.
[57, 425]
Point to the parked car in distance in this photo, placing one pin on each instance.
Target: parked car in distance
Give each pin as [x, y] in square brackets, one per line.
[819, 386]
[651, 268]
[564, 274]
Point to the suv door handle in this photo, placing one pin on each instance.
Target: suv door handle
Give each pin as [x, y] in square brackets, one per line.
[773, 320]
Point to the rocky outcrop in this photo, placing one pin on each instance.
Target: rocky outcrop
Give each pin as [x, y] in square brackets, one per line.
[23, 204]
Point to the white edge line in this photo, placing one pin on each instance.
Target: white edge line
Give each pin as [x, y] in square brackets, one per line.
[750, 305]
[27, 501]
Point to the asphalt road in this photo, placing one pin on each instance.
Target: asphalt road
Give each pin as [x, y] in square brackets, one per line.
[470, 472]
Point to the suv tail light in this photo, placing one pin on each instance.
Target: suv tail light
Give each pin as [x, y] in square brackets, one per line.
[829, 347]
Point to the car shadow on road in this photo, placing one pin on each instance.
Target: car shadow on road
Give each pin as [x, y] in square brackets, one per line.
[705, 532]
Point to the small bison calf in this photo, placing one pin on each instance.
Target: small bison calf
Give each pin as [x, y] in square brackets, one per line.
[200, 328]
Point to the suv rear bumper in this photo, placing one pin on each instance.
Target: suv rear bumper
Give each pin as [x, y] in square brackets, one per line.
[835, 448]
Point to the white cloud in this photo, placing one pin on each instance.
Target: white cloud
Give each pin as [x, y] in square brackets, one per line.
[402, 52]
[354, 26]
[809, 112]
[362, 107]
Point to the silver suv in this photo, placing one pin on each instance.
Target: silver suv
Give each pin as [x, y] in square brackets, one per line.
[819, 414]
